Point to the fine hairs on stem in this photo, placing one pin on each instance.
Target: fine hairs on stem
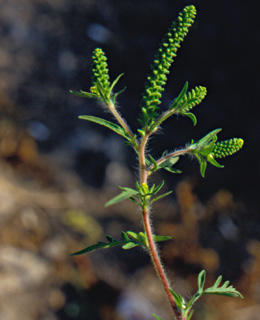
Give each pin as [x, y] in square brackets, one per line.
[151, 118]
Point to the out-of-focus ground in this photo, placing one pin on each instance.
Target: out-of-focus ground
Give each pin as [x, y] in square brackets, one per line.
[57, 172]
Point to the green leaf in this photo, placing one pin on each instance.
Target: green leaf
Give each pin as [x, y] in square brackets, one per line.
[180, 96]
[99, 245]
[84, 94]
[211, 160]
[115, 95]
[156, 317]
[201, 280]
[126, 243]
[129, 240]
[161, 238]
[160, 197]
[192, 117]
[169, 162]
[158, 188]
[132, 234]
[124, 236]
[114, 83]
[212, 136]
[191, 99]
[172, 170]
[224, 290]
[129, 245]
[155, 167]
[179, 300]
[125, 194]
[203, 166]
[190, 315]
[110, 125]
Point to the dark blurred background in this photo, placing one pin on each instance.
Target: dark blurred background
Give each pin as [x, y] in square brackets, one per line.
[63, 164]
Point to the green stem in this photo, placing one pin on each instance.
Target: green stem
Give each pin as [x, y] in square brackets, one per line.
[120, 120]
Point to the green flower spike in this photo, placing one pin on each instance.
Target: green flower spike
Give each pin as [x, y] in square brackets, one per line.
[207, 149]
[100, 77]
[160, 68]
[101, 88]
[227, 148]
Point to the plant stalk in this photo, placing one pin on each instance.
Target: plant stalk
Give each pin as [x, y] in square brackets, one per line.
[120, 120]
[157, 262]
[148, 230]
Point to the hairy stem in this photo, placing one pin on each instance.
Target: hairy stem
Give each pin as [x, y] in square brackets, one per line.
[148, 230]
[173, 154]
[157, 261]
[120, 120]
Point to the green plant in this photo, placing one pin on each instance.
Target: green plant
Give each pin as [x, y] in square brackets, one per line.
[206, 150]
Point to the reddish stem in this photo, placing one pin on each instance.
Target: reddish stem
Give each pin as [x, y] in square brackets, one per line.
[157, 262]
[148, 230]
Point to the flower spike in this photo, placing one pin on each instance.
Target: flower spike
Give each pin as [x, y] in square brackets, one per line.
[227, 147]
[163, 60]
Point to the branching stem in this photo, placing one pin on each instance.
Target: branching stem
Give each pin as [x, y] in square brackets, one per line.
[173, 154]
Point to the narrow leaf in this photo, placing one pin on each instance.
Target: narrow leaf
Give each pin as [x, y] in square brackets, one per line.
[172, 170]
[211, 160]
[161, 238]
[110, 239]
[110, 125]
[156, 317]
[192, 117]
[99, 245]
[180, 96]
[155, 167]
[178, 300]
[84, 94]
[132, 235]
[160, 197]
[122, 196]
[129, 245]
[124, 236]
[115, 95]
[114, 83]
[201, 280]
[169, 162]
[203, 166]
[190, 315]
[158, 188]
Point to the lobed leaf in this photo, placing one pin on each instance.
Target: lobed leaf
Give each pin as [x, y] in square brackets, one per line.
[224, 290]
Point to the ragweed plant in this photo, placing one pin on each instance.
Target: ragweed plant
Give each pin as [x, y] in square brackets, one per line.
[151, 118]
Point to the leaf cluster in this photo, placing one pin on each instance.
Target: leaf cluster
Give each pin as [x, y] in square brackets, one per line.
[207, 149]
[185, 307]
[142, 195]
[128, 240]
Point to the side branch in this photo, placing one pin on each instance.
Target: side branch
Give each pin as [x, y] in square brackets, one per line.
[173, 154]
